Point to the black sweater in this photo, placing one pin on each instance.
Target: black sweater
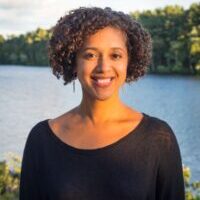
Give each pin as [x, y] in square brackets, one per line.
[143, 165]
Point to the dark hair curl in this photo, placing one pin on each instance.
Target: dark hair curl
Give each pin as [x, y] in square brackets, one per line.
[71, 31]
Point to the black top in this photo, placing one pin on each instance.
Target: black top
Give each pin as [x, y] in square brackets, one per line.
[143, 165]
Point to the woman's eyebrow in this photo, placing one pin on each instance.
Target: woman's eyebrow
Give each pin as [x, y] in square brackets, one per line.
[96, 49]
[90, 48]
[118, 48]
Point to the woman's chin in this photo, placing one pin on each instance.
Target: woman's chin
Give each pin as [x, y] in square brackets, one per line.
[103, 96]
[99, 95]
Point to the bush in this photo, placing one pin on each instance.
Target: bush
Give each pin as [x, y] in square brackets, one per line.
[163, 70]
[10, 170]
[179, 70]
[197, 67]
[192, 190]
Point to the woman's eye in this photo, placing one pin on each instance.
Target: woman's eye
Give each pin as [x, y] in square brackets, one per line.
[116, 56]
[90, 56]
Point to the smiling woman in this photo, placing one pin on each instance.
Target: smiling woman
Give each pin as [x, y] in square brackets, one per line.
[101, 64]
[101, 149]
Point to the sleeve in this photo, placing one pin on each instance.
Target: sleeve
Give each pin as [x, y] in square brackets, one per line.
[170, 182]
[29, 185]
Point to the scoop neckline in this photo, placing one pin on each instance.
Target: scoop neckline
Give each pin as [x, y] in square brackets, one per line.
[133, 133]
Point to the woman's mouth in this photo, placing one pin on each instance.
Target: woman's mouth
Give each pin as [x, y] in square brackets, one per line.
[103, 81]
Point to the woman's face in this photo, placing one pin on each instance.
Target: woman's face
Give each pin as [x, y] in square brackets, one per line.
[101, 64]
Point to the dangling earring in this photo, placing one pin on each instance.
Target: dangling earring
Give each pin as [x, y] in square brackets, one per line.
[73, 86]
[74, 75]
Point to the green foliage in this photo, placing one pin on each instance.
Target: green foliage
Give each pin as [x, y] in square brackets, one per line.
[176, 38]
[10, 170]
[162, 70]
[192, 190]
[1, 39]
[29, 49]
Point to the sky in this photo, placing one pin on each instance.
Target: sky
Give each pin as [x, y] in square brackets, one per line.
[22, 16]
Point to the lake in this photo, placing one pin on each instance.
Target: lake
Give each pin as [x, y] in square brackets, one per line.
[32, 94]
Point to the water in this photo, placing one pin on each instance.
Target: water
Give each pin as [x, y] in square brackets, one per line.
[32, 94]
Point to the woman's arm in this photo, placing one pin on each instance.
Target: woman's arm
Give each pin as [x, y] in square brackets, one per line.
[29, 183]
[170, 182]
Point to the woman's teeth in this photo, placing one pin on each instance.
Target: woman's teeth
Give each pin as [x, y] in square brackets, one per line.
[103, 82]
[107, 80]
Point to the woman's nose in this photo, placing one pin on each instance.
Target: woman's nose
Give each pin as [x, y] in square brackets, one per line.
[104, 64]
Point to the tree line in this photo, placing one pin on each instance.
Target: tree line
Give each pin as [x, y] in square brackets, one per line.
[175, 32]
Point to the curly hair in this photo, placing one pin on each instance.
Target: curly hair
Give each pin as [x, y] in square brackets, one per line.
[70, 32]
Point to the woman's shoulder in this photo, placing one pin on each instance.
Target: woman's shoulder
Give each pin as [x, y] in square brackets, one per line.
[38, 131]
[160, 128]
[158, 122]
[46, 125]
[39, 126]
[37, 137]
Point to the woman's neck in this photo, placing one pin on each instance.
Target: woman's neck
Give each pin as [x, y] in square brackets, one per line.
[98, 111]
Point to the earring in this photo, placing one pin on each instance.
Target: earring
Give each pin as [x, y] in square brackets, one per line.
[74, 77]
[73, 86]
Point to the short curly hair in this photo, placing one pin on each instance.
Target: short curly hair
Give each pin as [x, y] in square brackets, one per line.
[71, 30]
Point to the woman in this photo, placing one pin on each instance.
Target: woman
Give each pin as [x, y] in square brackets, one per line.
[101, 149]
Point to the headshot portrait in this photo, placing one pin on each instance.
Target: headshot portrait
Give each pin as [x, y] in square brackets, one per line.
[99, 105]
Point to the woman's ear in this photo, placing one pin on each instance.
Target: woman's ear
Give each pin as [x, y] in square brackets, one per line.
[74, 70]
[74, 73]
